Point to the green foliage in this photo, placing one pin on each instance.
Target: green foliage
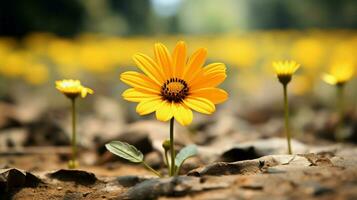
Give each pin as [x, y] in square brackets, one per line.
[126, 151]
[132, 154]
[184, 154]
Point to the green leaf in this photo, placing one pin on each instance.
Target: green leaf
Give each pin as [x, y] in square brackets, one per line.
[126, 151]
[185, 153]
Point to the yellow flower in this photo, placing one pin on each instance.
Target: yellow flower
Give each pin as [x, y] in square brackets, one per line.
[310, 51]
[284, 70]
[339, 74]
[36, 74]
[72, 88]
[172, 87]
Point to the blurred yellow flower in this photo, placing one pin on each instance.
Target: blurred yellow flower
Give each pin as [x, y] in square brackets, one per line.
[37, 43]
[95, 58]
[309, 51]
[284, 70]
[14, 64]
[344, 51]
[172, 87]
[36, 74]
[240, 52]
[6, 46]
[63, 52]
[72, 88]
[339, 74]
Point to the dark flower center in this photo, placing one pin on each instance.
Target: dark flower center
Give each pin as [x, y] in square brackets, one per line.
[174, 90]
[284, 79]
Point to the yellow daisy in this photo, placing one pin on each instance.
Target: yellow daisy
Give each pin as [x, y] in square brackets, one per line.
[339, 74]
[72, 88]
[285, 70]
[172, 85]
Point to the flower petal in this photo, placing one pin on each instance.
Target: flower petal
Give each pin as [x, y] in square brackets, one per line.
[214, 68]
[136, 95]
[213, 75]
[149, 67]
[179, 59]
[285, 67]
[84, 93]
[329, 79]
[215, 95]
[165, 111]
[199, 104]
[163, 58]
[194, 65]
[148, 106]
[183, 114]
[139, 80]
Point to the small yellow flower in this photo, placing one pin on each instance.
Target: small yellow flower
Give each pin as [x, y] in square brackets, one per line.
[339, 74]
[172, 85]
[73, 88]
[285, 70]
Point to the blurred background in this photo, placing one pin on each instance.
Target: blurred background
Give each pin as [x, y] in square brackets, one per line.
[93, 40]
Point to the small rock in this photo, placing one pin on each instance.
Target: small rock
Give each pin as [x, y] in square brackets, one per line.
[129, 181]
[293, 160]
[190, 164]
[228, 151]
[222, 168]
[238, 154]
[252, 187]
[12, 138]
[14, 178]
[72, 195]
[272, 146]
[272, 170]
[77, 176]
[318, 159]
[172, 187]
[270, 164]
[11, 178]
[9, 123]
[316, 188]
[7, 115]
[284, 163]
[32, 180]
[46, 132]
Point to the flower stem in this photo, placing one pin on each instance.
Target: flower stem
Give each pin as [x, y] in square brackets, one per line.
[340, 94]
[340, 110]
[167, 160]
[74, 146]
[151, 169]
[287, 124]
[172, 150]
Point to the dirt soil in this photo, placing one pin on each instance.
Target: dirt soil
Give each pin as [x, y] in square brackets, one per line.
[323, 175]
